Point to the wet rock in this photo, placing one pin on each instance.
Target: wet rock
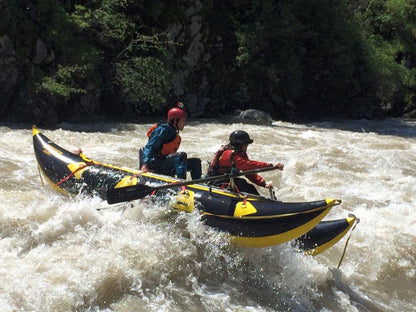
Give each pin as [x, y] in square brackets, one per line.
[254, 116]
[8, 65]
[411, 114]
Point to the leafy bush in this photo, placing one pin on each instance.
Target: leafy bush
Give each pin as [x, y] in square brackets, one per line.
[143, 80]
[390, 29]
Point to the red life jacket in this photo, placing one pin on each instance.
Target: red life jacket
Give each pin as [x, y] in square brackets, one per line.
[215, 168]
[170, 147]
[226, 158]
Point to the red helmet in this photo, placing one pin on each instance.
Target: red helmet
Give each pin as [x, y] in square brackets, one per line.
[176, 112]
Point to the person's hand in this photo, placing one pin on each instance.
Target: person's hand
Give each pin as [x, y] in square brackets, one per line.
[269, 185]
[144, 168]
[78, 151]
[279, 166]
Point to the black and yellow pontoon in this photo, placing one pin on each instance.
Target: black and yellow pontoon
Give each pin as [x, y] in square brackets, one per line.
[251, 221]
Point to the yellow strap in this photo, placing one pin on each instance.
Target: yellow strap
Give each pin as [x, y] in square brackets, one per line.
[40, 176]
[346, 243]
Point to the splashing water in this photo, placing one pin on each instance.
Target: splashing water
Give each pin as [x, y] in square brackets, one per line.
[62, 254]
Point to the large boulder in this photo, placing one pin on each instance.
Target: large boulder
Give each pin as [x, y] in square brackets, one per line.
[410, 114]
[254, 116]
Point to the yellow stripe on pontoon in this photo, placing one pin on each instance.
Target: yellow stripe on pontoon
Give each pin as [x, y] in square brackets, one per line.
[332, 203]
[266, 241]
[351, 220]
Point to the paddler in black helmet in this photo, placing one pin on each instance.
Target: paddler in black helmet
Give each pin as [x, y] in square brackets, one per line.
[161, 154]
[233, 157]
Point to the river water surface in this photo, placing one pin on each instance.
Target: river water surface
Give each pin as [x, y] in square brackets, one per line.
[81, 254]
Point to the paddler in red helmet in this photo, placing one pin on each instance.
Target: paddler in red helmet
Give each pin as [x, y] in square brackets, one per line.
[161, 154]
[233, 157]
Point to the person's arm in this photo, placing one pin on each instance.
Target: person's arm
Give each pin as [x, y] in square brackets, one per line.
[257, 179]
[154, 145]
[243, 164]
[144, 168]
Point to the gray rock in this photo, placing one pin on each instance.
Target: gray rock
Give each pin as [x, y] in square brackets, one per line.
[255, 116]
[411, 114]
[41, 52]
[8, 66]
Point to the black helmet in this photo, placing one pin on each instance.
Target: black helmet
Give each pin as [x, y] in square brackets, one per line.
[240, 137]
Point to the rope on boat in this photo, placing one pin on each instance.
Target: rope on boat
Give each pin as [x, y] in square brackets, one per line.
[88, 163]
[40, 176]
[346, 243]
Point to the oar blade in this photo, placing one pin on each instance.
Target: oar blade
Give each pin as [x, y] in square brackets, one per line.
[123, 194]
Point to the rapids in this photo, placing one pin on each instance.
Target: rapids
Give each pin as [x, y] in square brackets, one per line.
[81, 254]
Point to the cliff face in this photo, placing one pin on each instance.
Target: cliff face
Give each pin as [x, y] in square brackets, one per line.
[196, 58]
[9, 71]
[74, 60]
[23, 75]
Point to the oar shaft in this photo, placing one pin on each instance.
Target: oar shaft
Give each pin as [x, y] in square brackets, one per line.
[214, 178]
[137, 191]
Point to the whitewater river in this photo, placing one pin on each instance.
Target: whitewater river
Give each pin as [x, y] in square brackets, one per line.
[62, 254]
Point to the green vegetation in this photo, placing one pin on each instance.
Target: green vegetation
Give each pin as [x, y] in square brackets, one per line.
[389, 29]
[296, 60]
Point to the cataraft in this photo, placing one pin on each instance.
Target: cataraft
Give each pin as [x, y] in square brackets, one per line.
[249, 220]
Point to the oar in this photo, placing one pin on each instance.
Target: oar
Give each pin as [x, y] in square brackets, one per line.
[127, 193]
